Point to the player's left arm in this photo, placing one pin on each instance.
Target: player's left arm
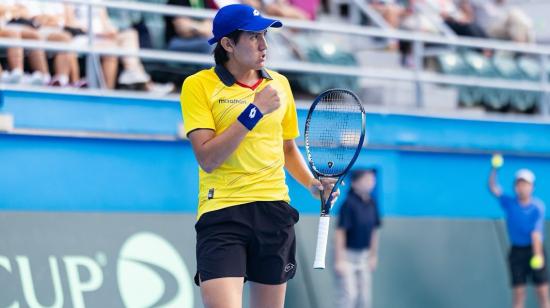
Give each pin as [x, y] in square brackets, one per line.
[294, 161]
[296, 166]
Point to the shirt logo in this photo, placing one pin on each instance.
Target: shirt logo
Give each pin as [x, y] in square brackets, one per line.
[232, 101]
[256, 13]
[252, 113]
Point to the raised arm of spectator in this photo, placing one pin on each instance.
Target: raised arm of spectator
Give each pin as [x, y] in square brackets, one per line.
[536, 238]
[536, 235]
[494, 187]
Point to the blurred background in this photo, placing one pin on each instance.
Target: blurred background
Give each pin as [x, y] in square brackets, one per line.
[98, 184]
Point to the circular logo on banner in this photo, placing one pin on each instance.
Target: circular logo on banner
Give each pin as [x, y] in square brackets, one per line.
[151, 273]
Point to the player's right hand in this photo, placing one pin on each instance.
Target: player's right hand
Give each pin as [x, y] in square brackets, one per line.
[267, 100]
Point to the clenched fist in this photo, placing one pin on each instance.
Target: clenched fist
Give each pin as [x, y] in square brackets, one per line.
[267, 100]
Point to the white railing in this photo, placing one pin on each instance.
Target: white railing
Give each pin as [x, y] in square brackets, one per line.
[416, 75]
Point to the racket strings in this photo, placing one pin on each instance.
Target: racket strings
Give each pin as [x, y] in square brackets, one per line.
[334, 131]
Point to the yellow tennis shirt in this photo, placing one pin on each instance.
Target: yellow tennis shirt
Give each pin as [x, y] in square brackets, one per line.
[213, 99]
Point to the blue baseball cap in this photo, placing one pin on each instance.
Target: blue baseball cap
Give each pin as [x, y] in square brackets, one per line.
[239, 17]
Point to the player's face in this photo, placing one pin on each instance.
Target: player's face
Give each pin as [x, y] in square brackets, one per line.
[251, 50]
[364, 184]
[523, 189]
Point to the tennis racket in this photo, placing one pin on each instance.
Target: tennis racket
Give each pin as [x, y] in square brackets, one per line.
[334, 135]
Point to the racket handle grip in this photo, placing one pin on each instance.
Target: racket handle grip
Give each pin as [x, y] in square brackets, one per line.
[322, 238]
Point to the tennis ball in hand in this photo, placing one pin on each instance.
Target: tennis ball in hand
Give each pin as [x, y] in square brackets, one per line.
[537, 262]
[497, 161]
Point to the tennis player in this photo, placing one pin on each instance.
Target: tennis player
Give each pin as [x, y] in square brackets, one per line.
[525, 224]
[241, 121]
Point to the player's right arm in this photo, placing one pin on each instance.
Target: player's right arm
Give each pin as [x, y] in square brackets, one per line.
[212, 150]
[494, 187]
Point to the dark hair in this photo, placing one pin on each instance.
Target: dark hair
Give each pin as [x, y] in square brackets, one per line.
[358, 173]
[220, 54]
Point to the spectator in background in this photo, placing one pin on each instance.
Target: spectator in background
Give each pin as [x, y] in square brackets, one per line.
[356, 242]
[14, 54]
[283, 8]
[188, 34]
[458, 16]
[133, 33]
[50, 19]
[310, 7]
[107, 35]
[15, 23]
[502, 21]
[393, 13]
[525, 225]
[414, 20]
[391, 10]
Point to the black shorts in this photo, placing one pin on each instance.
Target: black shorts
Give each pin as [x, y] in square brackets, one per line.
[520, 268]
[253, 240]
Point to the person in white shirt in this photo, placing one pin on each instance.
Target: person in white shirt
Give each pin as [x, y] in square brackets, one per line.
[50, 17]
[14, 25]
[14, 54]
[502, 21]
[458, 15]
[107, 35]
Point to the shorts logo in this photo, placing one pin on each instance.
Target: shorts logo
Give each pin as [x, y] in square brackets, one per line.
[289, 267]
[256, 13]
[252, 113]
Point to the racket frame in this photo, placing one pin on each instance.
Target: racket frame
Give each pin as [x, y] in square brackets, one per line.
[324, 219]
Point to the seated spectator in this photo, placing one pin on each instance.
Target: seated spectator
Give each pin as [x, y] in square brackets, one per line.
[14, 24]
[413, 20]
[187, 34]
[391, 10]
[393, 14]
[460, 18]
[283, 8]
[503, 21]
[14, 73]
[310, 7]
[107, 35]
[50, 18]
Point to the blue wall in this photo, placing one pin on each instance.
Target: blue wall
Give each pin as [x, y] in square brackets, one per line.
[428, 166]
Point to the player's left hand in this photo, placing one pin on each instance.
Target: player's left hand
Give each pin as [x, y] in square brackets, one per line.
[325, 185]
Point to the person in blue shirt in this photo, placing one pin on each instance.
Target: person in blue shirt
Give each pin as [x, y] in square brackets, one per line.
[525, 224]
[356, 242]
